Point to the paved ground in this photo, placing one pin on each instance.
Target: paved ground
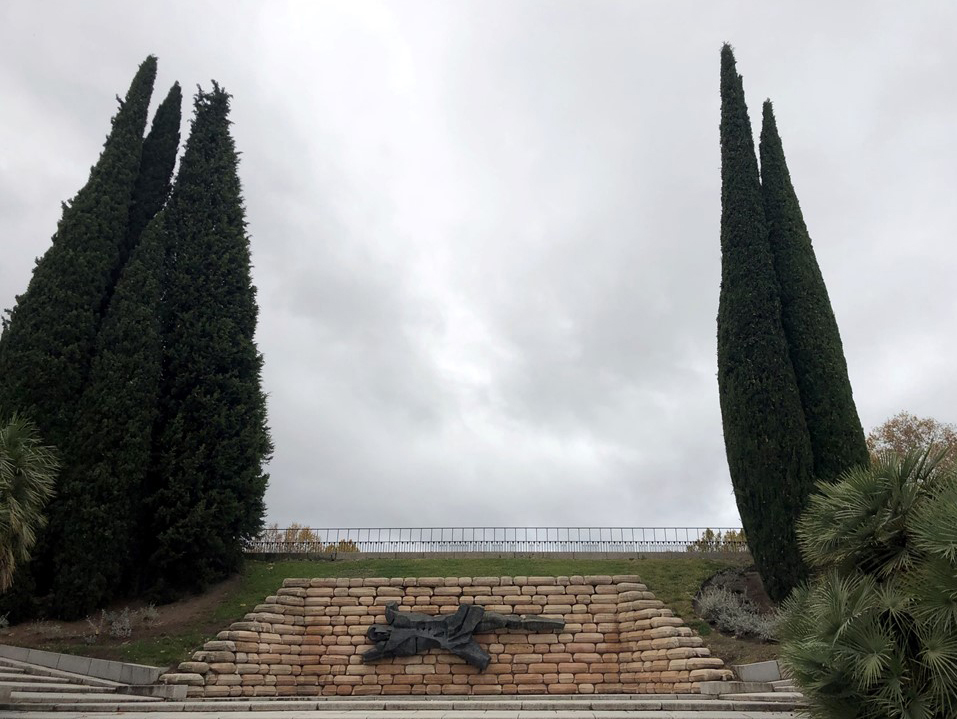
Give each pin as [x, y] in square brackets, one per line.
[359, 714]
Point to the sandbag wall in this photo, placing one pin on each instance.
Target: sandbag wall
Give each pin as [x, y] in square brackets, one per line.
[308, 639]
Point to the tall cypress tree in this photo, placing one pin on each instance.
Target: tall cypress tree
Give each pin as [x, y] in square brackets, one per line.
[814, 342]
[110, 448]
[765, 435]
[212, 439]
[156, 168]
[47, 346]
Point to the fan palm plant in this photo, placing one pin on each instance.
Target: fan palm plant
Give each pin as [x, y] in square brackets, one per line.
[874, 634]
[27, 473]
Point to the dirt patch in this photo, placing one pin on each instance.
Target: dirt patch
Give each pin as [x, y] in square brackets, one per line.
[734, 651]
[172, 619]
[743, 581]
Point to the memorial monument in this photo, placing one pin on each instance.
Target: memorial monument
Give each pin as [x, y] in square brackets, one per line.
[410, 633]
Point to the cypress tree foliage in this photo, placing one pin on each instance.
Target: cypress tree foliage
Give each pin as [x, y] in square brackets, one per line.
[212, 439]
[110, 447]
[765, 435]
[48, 343]
[814, 342]
[156, 168]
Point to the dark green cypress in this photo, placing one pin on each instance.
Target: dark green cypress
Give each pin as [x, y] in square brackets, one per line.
[48, 344]
[814, 341]
[47, 347]
[765, 435]
[212, 439]
[156, 168]
[110, 448]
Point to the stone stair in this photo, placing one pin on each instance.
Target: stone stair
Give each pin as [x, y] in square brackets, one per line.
[637, 706]
[28, 687]
[784, 685]
[760, 682]
[43, 692]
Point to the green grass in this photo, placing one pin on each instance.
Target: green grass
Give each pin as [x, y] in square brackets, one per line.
[163, 651]
[674, 578]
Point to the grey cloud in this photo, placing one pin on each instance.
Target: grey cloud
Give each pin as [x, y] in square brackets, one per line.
[485, 234]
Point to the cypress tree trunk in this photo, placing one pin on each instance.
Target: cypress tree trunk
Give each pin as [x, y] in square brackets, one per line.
[212, 439]
[765, 435]
[110, 448]
[47, 346]
[156, 168]
[814, 342]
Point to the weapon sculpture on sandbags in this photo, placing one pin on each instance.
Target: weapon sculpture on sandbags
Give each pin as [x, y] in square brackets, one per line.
[409, 633]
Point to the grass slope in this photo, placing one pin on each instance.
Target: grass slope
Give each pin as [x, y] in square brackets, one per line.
[185, 625]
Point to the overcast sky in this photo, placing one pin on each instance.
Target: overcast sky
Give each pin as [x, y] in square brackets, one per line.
[485, 234]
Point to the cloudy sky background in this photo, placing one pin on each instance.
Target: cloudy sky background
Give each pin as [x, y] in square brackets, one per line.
[485, 234]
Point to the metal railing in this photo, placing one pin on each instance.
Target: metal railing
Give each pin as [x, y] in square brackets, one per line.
[492, 540]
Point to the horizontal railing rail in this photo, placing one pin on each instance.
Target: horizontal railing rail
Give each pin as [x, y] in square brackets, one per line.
[522, 540]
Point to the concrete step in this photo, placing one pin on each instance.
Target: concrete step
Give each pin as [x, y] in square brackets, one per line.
[609, 704]
[42, 685]
[26, 685]
[476, 699]
[9, 676]
[784, 685]
[72, 697]
[7, 665]
[758, 671]
[92, 713]
[456, 705]
[735, 687]
[103, 669]
[791, 697]
[589, 707]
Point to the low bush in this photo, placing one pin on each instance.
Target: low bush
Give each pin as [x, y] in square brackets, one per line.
[344, 545]
[710, 541]
[120, 624]
[94, 630]
[730, 613]
[148, 615]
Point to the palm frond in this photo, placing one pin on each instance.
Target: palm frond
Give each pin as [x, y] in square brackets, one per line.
[938, 654]
[934, 525]
[874, 635]
[28, 472]
[934, 587]
[869, 649]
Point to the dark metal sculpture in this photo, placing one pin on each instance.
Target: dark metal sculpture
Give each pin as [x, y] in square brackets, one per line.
[409, 633]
